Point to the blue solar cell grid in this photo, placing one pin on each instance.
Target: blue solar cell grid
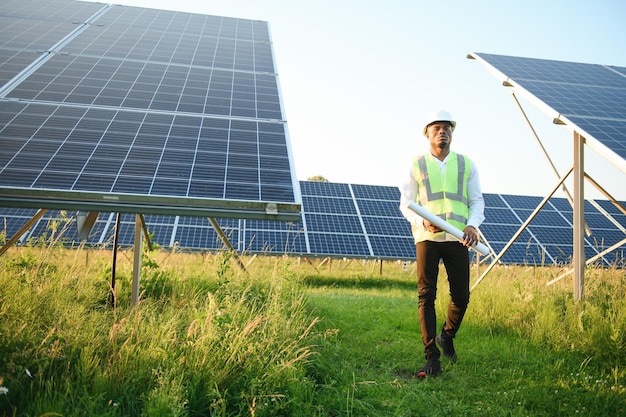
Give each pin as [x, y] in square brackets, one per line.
[331, 218]
[609, 132]
[592, 97]
[376, 193]
[349, 245]
[329, 205]
[610, 208]
[559, 72]
[13, 62]
[156, 86]
[120, 152]
[325, 189]
[500, 215]
[548, 238]
[51, 10]
[494, 201]
[393, 247]
[580, 100]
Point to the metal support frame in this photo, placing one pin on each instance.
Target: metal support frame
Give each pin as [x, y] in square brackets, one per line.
[86, 222]
[578, 260]
[545, 154]
[577, 201]
[522, 228]
[590, 260]
[141, 230]
[227, 243]
[134, 295]
[118, 219]
[144, 227]
[612, 199]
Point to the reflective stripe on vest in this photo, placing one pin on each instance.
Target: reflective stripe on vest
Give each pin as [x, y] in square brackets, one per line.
[445, 196]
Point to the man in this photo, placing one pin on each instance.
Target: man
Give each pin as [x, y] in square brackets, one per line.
[447, 185]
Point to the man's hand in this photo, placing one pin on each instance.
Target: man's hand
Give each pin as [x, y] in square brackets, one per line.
[431, 227]
[470, 236]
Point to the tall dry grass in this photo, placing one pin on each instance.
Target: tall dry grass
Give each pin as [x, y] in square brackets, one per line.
[205, 339]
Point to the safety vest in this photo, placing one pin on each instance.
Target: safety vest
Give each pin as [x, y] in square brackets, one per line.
[445, 196]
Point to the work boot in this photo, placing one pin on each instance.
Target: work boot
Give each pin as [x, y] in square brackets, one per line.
[447, 346]
[431, 369]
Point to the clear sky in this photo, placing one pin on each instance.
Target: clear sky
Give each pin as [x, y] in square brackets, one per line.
[357, 78]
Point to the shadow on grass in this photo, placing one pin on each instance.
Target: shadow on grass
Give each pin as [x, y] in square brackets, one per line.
[360, 282]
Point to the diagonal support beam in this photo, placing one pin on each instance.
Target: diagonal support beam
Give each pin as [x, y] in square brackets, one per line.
[146, 234]
[227, 243]
[23, 230]
[568, 195]
[589, 261]
[522, 228]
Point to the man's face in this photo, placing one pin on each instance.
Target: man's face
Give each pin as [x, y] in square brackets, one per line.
[439, 135]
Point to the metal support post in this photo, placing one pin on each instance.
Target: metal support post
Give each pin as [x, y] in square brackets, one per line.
[137, 259]
[579, 217]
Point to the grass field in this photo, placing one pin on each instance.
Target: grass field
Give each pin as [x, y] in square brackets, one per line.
[293, 338]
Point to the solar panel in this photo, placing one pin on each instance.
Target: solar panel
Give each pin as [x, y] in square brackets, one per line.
[332, 223]
[589, 98]
[115, 108]
[364, 221]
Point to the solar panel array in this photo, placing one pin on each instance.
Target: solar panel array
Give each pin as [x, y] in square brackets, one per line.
[178, 116]
[362, 221]
[590, 97]
[115, 108]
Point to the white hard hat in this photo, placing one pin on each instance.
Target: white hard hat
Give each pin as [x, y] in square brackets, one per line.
[439, 116]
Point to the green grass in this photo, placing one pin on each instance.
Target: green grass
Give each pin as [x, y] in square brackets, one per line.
[293, 339]
[525, 350]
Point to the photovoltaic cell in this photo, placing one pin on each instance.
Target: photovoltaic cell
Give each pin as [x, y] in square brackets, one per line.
[13, 62]
[314, 188]
[610, 207]
[582, 100]
[378, 208]
[383, 193]
[599, 221]
[494, 201]
[521, 202]
[384, 226]
[501, 215]
[343, 206]
[349, 245]
[393, 247]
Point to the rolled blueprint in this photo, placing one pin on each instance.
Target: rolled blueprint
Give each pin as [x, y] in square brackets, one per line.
[444, 225]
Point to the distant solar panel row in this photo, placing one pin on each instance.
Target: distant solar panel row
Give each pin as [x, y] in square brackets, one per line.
[364, 221]
[129, 109]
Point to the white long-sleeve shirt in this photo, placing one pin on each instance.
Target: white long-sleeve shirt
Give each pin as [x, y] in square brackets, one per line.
[408, 193]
